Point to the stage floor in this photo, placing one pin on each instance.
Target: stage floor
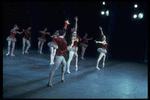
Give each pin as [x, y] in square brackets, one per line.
[26, 76]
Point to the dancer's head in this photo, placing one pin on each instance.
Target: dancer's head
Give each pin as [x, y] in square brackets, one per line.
[104, 38]
[29, 28]
[62, 32]
[74, 34]
[45, 28]
[86, 34]
[56, 33]
[15, 27]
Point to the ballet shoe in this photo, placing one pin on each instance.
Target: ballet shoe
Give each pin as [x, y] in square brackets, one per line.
[7, 54]
[76, 68]
[22, 52]
[41, 53]
[62, 80]
[82, 58]
[51, 63]
[50, 84]
[26, 52]
[12, 55]
[97, 68]
[68, 72]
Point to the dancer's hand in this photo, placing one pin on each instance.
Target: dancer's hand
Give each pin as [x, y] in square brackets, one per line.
[100, 27]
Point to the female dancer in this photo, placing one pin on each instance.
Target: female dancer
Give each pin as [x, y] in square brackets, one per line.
[84, 45]
[73, 48]
[102, 50]
[26, 39]
[42, 39]
[53, 46]
[12, 39]
[62, 48]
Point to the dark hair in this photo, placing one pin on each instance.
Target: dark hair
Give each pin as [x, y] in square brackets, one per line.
[62, 32]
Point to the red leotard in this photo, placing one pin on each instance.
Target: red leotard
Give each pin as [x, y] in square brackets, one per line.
[104, 46]
[27, 34]
[43, 35]
[12, 35]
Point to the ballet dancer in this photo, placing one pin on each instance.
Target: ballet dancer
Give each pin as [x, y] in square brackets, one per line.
[42, 39]
[26, 39]
[84, 45]
[62, 48]
[102, 50]
[11, 39]
[73, 48]
[53, 47]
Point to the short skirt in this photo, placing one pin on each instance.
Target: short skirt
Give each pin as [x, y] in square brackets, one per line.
[75, 49]
[41, 39]
[102, 50]
[83, 45]
[52, 44]
[11, 39]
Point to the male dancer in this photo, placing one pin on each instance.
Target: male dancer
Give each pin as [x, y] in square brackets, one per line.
[26, 39]
[102, 50]
[62, 48]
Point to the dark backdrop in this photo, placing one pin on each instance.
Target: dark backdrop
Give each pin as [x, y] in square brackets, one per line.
[126, 37]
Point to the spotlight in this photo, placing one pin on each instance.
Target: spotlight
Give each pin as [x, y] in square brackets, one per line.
[135, 6]
[103, 3]
[135, 16]
[102, 12]
[140, 15]
[107, 13]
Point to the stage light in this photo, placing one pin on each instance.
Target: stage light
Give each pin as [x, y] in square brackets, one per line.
[103, 3]
[140, 15]
[135, 16]
[102, 12]
[135, 6]
[107, 13]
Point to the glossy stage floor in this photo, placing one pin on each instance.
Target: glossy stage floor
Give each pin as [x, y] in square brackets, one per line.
[26, 76]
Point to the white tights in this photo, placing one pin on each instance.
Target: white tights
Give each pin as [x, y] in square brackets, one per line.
[71, 54]
[28, 43]
[83, 51]
[12, 50]
[40, 46]
[52, 55]
[100, 57]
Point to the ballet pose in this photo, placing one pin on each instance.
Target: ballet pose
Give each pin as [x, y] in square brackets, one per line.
[84, 45]
[62, 48]
[53, 47]
[26, 39]
[42, 39]
[73, 48]
[11, 39]
[102, 50]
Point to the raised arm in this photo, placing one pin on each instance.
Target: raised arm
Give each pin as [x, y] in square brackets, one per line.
[76, 18]
[101, 30]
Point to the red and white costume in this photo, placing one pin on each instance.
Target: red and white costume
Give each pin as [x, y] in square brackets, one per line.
[26, 39]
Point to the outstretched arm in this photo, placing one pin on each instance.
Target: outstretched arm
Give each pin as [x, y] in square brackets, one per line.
[20, 32]
[102, 42]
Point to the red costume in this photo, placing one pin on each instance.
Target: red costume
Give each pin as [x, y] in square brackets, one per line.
[27, 34]
[62, 46]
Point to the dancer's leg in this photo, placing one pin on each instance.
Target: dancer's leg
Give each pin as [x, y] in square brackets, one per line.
[99, 58]
[51, 55]
[13, 47]
[82, 53]
[63, 69]
[28, 43]
[71, 53]
[56, 65]
[76, 55]
[9, 43]
[23, 41]
[104, 60]
[39, 43]
[42, 43]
